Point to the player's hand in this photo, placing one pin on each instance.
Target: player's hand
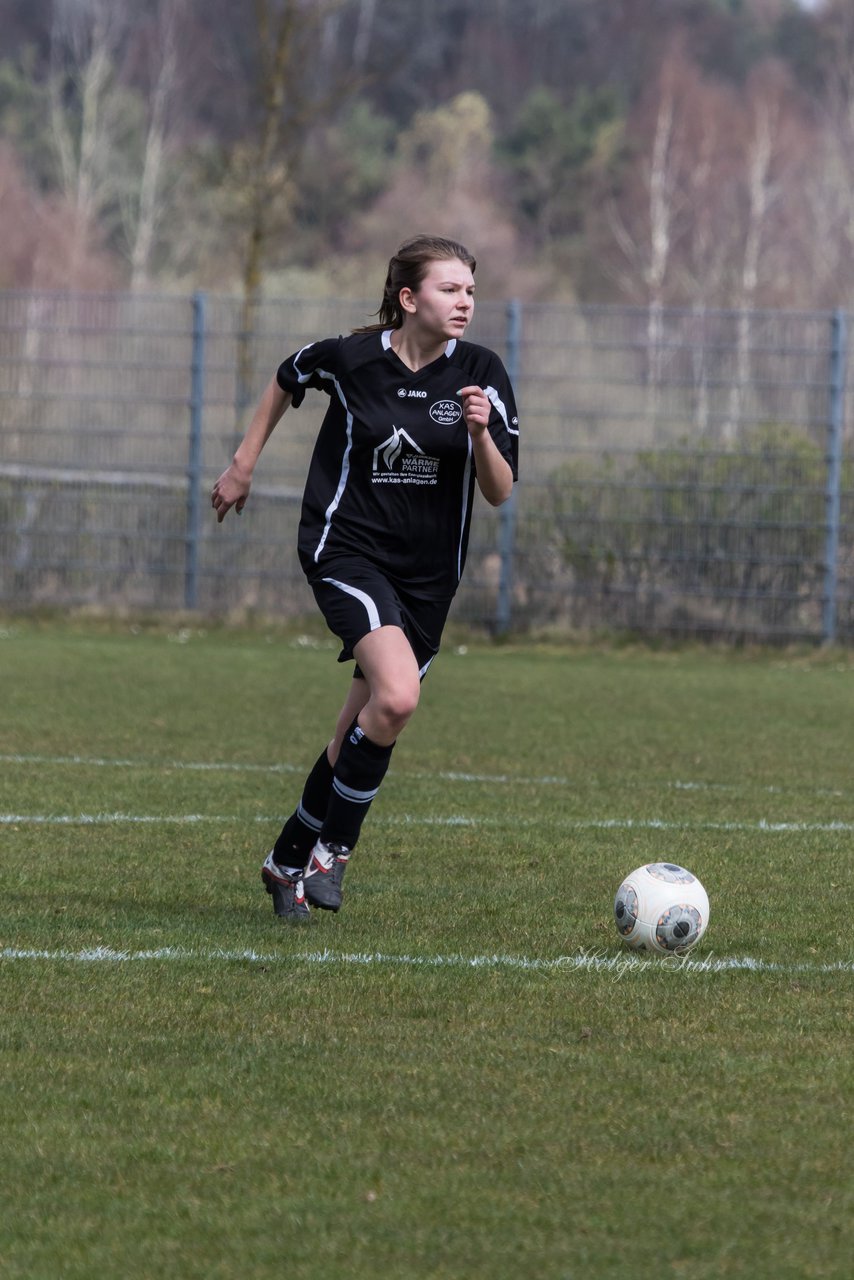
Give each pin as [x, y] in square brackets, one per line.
[231, 490]
[476, 409]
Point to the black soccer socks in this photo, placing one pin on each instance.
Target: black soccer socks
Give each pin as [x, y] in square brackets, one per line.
[302, 828]
[359, 771]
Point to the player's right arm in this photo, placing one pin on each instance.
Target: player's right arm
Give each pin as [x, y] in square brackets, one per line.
[232, 488]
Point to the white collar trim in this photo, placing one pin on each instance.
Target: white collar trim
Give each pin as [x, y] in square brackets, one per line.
[386, 341]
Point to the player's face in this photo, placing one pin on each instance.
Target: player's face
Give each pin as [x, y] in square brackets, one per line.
[443, 303]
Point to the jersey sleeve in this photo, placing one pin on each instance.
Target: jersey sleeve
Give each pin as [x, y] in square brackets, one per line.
[313, 366]
[504, 419]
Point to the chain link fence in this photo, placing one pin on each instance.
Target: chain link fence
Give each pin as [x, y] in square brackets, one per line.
[683, 472]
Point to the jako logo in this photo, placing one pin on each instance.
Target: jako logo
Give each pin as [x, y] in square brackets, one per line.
[446, 412]
[403, 394]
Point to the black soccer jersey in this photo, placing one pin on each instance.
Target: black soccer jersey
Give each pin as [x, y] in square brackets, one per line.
[392, 474]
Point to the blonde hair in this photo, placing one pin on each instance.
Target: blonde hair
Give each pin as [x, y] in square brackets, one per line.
[407, 268]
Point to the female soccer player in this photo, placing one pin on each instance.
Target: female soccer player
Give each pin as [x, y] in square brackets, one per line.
[416, 415]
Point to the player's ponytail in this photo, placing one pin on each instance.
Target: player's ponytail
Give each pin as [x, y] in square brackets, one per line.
[406, 269]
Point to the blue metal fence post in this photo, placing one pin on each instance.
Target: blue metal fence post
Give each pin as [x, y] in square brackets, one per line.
[833, 479]
[194, 458]
[507, 515]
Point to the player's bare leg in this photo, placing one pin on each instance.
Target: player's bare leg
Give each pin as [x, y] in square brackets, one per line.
[357, 696]
[363, 746]
[391, 671]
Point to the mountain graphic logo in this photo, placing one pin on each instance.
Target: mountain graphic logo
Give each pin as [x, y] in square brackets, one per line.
[399, 460]
[390, 450]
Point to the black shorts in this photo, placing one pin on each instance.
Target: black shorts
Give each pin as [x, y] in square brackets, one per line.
[355, 598]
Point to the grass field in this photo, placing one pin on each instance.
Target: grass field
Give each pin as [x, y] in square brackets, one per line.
[461, 1075]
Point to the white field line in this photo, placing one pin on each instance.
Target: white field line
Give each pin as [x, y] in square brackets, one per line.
[592, 962]
[170, 766]
[493, 779]
[214, 766]
[760, 825]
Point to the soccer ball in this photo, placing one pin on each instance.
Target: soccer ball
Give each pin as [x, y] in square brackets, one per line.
[661, 907]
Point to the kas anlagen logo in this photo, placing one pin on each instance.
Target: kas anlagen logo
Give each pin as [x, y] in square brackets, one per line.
[446, 412]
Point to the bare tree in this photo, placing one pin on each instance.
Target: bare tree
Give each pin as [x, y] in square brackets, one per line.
[289, 33]
[829, 240]
[95, 121]
[164, 69]
[764, 178]
[84, 39]
[647, 230]
[364, 33]
[702, 217]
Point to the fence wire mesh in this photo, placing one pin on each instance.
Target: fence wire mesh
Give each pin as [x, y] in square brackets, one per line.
[683, 472]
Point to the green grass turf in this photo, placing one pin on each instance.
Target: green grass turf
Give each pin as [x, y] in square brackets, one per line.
[462, 1075]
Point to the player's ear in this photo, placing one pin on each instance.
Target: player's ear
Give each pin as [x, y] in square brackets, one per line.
[407, 300]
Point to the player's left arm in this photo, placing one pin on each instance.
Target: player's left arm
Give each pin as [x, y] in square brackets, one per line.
[494, 474]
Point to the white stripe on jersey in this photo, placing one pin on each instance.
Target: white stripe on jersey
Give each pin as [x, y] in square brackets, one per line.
[345, 461]
[371, 608]
[303, 377]
[495, 398]
[466, 474]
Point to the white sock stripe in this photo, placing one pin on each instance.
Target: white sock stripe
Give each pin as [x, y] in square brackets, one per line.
[350, 793]
[314, 824]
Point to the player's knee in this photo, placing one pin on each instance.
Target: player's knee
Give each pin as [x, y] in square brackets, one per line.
[396, 705]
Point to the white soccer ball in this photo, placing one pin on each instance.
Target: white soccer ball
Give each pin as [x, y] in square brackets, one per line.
[661, 907]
